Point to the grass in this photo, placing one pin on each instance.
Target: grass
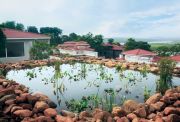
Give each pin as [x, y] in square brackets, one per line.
[156, 45]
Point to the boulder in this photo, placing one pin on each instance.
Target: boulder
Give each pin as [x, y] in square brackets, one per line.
[14, 108]
[10, 101]
[32, 99]
[154, 98]
[23, 113]
[177, 103]
[26, 106]
[118, 111]
[84, 114]
[7, 97]
[170, 110]
[158, 106]
[43, 119]
[67, 113]
[129, 106]
[141, 112]
[60, 118]
[41, 106]
[131, 116]
[123, 119]
[50, 112]
[173, 118]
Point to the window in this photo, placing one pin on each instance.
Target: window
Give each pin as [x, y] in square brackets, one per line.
[15, 49]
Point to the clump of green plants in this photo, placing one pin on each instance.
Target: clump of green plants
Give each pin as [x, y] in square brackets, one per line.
[40, 50]
[77, 105]
[147, 93]
[31, 74]
[166, 67]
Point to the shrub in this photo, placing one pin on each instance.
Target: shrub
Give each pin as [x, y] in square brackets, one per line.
[40, 50]
[166, 67]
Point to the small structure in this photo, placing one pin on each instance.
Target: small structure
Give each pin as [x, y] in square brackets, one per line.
[112, 50]
[19, 44]
[138, 55]
[77, 49]
[176, 58]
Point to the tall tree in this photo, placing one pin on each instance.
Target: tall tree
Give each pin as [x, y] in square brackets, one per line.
[32, 29]
[2, 43]
[73, 37]
[9, 24]
[133, 44]
[110, 40]
[54, 32]
[19, 26]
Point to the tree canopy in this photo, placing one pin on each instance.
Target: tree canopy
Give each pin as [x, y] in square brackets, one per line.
[110, 40]
[32, 29]
[12, 25]
[2, 43]
[133, 44]
[54, 32]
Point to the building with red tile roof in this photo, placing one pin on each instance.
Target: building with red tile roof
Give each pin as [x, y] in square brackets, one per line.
[176, 58]
[112, 50]
[139, 55]
[19, 44]
[77, 48]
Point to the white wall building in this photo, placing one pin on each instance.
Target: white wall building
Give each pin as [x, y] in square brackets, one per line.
[138, 55]
[19, 44]
[176, 58]
[77, 49]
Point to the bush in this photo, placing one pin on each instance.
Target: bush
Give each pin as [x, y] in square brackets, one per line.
[166, 67]
[40, 50]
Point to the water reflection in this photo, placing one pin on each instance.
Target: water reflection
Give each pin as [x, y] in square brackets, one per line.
[79, 86]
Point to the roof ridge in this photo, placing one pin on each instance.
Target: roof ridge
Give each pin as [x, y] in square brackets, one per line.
[24, 31]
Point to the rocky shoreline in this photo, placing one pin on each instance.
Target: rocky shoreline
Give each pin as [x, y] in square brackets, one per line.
[107, 62]
[18, 105]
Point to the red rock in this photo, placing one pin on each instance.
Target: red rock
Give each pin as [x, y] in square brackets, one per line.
[18, 92]
[23, 113]
[130, 105]
[28, 119]
[141, 112]
[159, 119]
[170, 110]
[32, 99]
[177, 103]
[14, 108]
[10, 102]
[8, 109]
[84, 114]
[158, 106]
[151, 116]
[43, 119]
[20, 99]
[118, 111]
[50, 112]
[41, 106]
[173, 118]
[154, 98]
[123, 119]
[131, 116]
[60, 118]
[67, 113]
[26, 106]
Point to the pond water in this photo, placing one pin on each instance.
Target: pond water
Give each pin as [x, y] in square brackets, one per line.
[65, 82]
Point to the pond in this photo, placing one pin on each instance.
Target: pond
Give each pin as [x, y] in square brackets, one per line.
[71, 85]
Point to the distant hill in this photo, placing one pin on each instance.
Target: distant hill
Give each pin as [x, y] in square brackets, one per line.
[158, 40]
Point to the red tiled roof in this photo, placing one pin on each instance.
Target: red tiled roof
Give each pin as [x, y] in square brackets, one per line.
[139, 52]
[16, 34]
[176, 58]
[114, 47]
[156, 59]
[72, 45]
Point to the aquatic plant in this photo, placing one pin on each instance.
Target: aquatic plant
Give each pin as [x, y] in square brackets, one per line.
[77, 105]
[147, 93]
[166, 67]
[31, 74]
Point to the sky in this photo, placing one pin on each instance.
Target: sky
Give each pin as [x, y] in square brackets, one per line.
[111, 18]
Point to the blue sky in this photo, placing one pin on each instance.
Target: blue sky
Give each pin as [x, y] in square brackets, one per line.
[111, 18]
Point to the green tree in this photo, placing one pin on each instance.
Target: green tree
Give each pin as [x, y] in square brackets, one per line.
[73, 37]
[32, 29]
[166, 67]
[2, 43]
[65, 38]
[133, 44]
[19, 26]
[9, 24]
[40, 50]
[111, 40]
[55, 34]
[163, 51]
